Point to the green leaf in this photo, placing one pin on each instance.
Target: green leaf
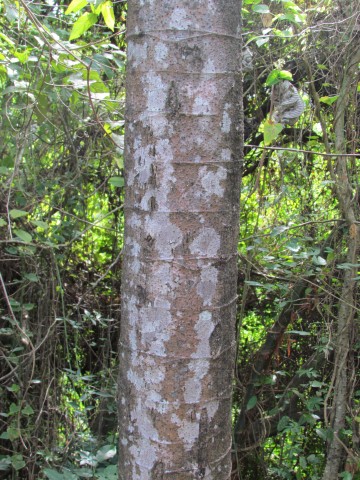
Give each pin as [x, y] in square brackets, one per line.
[329, 100]
[275, 76]
[82, 24]
[254, 284]
[40, 223]
[252, 402]
[27, 410]
[116, 181]
[13, 433]
[108, 14]
[283, 423]
[17, 461]
[271, 131]
[55, 475]
[14, 388]
[261, 8]
[346, 476]
[75, 6]
[14, 409]
[317, 260]
[18, 213]
[22, 56]
[24, 236]
[108, 473]
[31, 277]
[2, 222]
[105, 453]
[261, 41]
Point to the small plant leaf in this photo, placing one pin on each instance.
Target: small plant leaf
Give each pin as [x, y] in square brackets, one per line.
[271, 131]
[116, 181]
[261, 8]
[107, 11]
[24, 236]
[252, 402]
[75, 6]
[17, 213]
[82, 24]
[17, 461]
[275, 76]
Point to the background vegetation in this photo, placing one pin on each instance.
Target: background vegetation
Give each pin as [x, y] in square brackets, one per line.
[61, 196]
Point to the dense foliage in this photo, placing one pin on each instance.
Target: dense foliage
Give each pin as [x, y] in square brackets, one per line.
[61, 165]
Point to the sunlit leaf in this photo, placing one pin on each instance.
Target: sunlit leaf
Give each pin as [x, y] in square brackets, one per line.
[329, 100]
[275, 76]
[82, 24]
[75, 6]
[261, 8]
[107, 11]
[116, 181]
[24, 236]
[17, 213]
[271, 131]
[261, 41]
[317, 260]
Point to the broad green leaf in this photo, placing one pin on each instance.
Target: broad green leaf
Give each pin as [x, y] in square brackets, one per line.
[105, 453]
[317, 260]
[75, 6]
[14, 388]
[252, 402]
[116, 181]
[14, 409]
[108, 473]
[31, 277]
[348, 266]
[24, 236]
[40, 224]
[82, 24]
[283, 423]
[22, 56]
[271, 131]
[346, 476]
[17, 213]
[5, 462]
[55, 475]
[261, 8]
[329, 100]
[107, 11]
[17, 461]
[13, 433]
[2, 222]
[27, 410]
[7, 39]
[261, 41]
[275, 76]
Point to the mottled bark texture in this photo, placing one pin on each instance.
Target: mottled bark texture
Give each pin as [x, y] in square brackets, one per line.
[182, 164]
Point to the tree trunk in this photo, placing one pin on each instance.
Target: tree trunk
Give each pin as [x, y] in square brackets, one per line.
[350, 212]
[182, 163]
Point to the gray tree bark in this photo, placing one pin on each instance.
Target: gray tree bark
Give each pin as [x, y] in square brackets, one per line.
[182, 163]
